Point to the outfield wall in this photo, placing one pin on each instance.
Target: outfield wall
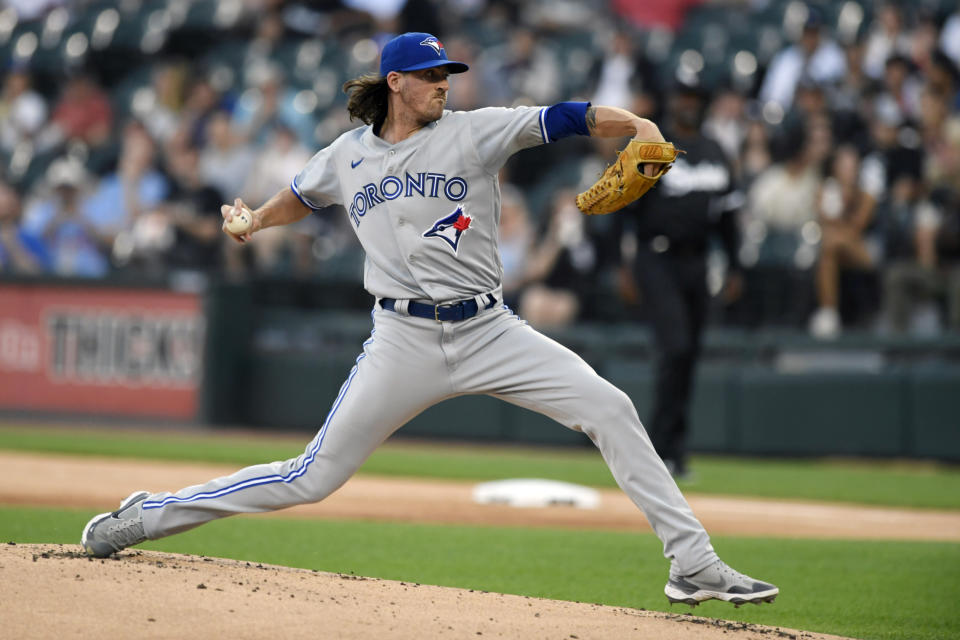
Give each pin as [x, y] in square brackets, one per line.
[261, 355]
[779, 393]
[836, 405]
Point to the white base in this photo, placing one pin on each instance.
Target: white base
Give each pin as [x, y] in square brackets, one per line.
[533, 492]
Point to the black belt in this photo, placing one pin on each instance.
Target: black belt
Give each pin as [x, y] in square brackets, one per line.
[453, 312]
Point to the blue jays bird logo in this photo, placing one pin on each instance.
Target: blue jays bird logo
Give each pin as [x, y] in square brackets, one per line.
[450, 228]
[433, 43]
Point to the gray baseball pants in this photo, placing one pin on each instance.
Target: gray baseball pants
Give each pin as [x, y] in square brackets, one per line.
[409, 364]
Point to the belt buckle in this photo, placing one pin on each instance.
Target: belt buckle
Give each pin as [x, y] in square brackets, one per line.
[451, 306]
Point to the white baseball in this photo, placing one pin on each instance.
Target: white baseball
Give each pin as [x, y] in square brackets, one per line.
[240, 223]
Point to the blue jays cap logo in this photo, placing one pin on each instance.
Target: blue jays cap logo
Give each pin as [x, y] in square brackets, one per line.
[433, 43]
[450, 228]
[414, 51]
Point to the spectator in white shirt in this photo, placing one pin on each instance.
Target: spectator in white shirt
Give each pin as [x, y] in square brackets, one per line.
[815, 55]
[23, 111]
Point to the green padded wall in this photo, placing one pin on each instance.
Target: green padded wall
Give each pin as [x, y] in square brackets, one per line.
[821, 413]
[934, 411]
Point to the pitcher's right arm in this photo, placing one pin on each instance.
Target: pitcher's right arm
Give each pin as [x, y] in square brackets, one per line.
[283, 208]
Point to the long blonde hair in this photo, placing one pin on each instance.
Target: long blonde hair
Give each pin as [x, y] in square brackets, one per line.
[367, 99]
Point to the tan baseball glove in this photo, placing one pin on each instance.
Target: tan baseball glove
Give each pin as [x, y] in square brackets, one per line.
[624, 181]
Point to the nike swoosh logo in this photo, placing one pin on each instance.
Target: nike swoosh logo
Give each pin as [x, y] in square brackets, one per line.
[354, 165]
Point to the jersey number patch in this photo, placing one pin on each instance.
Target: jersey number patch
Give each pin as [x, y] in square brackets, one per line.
[450, 228]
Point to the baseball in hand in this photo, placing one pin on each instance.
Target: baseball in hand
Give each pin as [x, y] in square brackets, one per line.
[240, 223]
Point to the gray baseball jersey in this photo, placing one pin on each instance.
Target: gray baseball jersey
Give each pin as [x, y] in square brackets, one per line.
[426, 211]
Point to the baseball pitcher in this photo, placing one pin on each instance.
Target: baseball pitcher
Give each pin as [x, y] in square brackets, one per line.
[419, 186]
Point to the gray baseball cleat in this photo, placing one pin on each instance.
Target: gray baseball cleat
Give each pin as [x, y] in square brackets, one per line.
[718, 581]
[110, 532]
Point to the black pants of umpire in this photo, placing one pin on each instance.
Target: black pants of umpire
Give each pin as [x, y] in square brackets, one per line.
[674, 294]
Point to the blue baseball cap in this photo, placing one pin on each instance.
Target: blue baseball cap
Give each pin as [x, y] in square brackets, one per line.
[413, 51]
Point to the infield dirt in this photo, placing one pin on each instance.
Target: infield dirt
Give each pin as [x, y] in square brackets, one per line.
[100, 483]
[53, 591]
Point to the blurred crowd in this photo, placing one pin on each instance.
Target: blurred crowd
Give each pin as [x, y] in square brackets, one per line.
[841, 122]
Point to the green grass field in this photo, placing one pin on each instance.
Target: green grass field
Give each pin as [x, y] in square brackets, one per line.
[919, 485]
[874, 590]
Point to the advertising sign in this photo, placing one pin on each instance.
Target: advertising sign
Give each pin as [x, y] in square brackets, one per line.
[100, 351]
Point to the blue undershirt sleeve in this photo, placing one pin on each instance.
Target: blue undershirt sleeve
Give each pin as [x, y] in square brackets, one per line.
[565, 119]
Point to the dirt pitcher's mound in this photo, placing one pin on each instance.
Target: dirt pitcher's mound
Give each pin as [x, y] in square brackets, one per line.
[53, 591]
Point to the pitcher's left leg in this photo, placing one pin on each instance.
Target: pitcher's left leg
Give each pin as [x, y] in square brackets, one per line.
[526, 368]
[510, 360]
